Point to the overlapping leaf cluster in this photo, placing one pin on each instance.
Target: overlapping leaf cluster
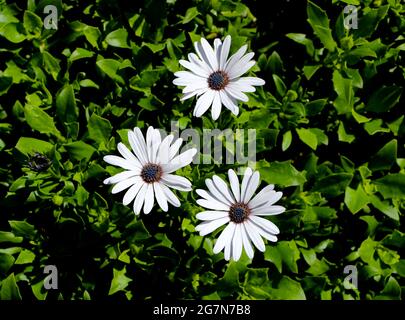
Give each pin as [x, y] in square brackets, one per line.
[330, 134]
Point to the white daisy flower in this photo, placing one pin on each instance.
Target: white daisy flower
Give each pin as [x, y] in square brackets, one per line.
[215, 79]
[242, 213]
[148, 170]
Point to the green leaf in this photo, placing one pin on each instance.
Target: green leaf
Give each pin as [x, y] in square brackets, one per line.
[288, 289]
[308, 137]
[80, 53]
[318, 267]
[319, 22]
[385, 208]
[309, 71]
[39, 120]
[32, 23]
[302, 39]
[9, 289]
[99, 129]
[191, 13]
[314, 107]
[23, 228]
[6, 262]
[110, 68]
[355, 200]
[384, 99]
[280, 86]
[28, 146]
[289, 254]
[392, 290]
[287, 138]
[343, 135]
[80, 150]
[282, 173]
[345, 95]
[25, 257]
[9, 237]
[367, 249]
[392, 186]
[375, 126]
[118, 38]
[273, 255]
[370, 21]
[257, 283]
[92, 34]
[66, 108]
[51, 64]
[119, 282]
[13, 32]
[5, 84]
[385, 157]
[333, 184]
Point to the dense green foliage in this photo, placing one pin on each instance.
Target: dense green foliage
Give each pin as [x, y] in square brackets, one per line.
[330, 135]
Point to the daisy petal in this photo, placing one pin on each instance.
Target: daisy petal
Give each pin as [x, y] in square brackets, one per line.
[225, 238]
[265, 224]
[223, 188]
[139, 148]
[176, 182]
[211, 215]
[268, 210]
[128, 155]
[203, 103]
[140, 198]
[180, 161]
[125, 184]
[237, 243]
[149, 199]
[203, 65]
[224, 52]
[236, 94]
[210, 54]
[202, 55]
[236, 86]
[252, 81]
[132, 192]
[216, 193]
[210, 226]
[160, 197]
[246, 242]
[121, 176]
[227, 102]
[171, 197]
[262, 197]
[213, 205]
[194, 68]
[252, 186]
[245, 182]
[268, 236]
[254, 235]
[233, 179]
[120, 162]
[235, 58]
[216, 106]
[163, 152]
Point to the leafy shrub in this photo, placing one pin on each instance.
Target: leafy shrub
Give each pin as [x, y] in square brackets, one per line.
[330, 129]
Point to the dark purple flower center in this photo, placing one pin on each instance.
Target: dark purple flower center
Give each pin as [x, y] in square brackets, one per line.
[151, 173]
[218, 80]
[239, 212]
